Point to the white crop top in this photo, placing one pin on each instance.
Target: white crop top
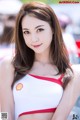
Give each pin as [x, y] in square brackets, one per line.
[36, 94]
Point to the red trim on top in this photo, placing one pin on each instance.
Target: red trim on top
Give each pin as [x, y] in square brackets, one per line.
[58, 81]
[38, 111]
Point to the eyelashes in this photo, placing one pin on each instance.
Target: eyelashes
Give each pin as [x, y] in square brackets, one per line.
[26, 32]
[40, 29]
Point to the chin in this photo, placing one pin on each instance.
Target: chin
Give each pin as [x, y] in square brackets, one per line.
[38, 51]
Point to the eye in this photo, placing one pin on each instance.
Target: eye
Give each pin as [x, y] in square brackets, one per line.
[26, 32]
[40, 30]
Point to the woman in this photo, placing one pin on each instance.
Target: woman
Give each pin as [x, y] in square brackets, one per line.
[41, 77]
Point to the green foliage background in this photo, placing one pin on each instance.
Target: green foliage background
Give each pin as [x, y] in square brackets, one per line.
[49, 1]
[45, 1]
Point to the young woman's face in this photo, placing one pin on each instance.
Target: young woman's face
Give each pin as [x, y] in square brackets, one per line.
[37, 34]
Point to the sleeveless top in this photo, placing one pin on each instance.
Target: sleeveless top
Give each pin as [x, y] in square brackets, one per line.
[37, 94]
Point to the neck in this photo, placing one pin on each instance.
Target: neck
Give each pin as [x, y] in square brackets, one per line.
[43, 58]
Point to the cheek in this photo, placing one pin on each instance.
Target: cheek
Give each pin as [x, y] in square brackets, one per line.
[27, 42]
[25, 39]
[48, 34]
[48, 40]
[48, 37]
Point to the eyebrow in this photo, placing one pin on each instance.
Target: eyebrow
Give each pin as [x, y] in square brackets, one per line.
[35, 27]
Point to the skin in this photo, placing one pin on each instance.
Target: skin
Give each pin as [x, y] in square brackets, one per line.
[71, 94]
[69, 98]
[6, 96]
[37, 33]
[34, 35]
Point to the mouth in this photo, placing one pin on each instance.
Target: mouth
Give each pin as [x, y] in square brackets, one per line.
[36, 46]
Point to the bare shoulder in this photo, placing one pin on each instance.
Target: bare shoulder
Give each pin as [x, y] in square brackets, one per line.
[6, 70]
[76, 78]
[6, 64]
[76, 70]
[76, 67]
[7, 59]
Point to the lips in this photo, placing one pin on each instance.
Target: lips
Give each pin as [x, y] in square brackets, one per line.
[37, 45]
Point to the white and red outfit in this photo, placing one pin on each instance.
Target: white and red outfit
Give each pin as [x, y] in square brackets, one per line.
[36, 94]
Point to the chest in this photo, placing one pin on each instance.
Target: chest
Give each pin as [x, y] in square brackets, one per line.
[44, 70]
[36, 94]
[32, 89]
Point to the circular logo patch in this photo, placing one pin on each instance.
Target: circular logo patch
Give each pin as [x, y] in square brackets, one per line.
[19, 86]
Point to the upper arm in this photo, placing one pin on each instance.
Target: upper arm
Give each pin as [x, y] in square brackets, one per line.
[6, 94]
[66, 104]
[76, 79]
[6, 72]
[70, 96]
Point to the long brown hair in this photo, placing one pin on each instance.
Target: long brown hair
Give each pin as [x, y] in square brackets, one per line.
[24, 56]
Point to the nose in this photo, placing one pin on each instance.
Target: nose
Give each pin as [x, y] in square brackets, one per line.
[34, 38]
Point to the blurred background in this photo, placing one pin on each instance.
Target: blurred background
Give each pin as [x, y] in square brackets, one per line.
[8, 12]
[69, 19]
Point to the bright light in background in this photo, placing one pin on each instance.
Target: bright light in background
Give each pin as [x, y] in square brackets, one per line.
[10, 6]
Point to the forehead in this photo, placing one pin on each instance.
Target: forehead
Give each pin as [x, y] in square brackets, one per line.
[30, 21]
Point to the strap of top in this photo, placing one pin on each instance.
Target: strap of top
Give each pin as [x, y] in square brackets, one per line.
[60, 79]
